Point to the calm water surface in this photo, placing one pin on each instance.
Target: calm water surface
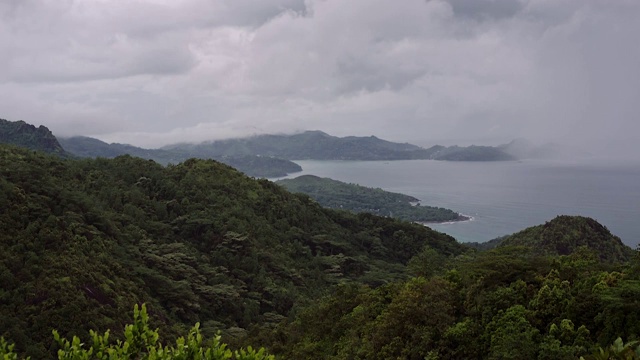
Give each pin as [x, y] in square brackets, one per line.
[504, 197]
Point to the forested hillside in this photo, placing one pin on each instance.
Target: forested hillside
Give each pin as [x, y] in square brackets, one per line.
[506, 303]
[81, 241]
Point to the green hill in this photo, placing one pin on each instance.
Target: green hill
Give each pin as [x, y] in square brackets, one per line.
[559, 301]
[566, 234]
[20, 133]
[81, 241]
[339, 195]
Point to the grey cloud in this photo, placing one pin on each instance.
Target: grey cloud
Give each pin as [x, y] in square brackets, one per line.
[153, 72]
[486, 9]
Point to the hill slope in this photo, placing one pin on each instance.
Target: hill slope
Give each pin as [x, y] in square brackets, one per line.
[504, 303]
[81, 241]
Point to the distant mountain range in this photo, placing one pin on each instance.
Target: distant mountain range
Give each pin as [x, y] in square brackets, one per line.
[22, 134]
[317, 145]
[252, 165]
[269, 155]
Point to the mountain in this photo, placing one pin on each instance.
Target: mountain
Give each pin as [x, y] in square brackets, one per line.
[317, 145]
[252, 165]
[82, 241]
[339, 195]
[566, 234]
[20, 133]
[263, 155]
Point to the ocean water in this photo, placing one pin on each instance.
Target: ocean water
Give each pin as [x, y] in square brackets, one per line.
[504, 197]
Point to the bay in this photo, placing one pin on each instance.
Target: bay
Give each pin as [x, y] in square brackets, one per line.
[504, 197]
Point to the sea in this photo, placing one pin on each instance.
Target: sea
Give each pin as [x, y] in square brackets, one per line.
[507, 196]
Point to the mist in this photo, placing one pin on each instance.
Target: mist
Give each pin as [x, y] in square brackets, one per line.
[153, 72]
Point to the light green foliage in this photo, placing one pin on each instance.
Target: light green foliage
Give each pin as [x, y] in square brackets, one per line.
[6, 350]
[564, 341]
[512, 336]
[619, 350]
[141, 342]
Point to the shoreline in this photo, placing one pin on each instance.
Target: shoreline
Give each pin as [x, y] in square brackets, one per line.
[466, 218]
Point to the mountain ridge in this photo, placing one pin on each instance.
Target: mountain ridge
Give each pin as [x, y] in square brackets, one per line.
[22, 134]
[318, 145]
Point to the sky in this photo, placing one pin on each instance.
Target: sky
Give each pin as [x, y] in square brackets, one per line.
[157, 72]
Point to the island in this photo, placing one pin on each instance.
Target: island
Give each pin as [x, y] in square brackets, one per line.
[336, 194]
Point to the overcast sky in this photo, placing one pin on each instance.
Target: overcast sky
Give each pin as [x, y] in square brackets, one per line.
[154, 72]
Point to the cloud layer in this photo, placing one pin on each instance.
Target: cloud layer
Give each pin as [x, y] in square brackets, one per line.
[154, 72]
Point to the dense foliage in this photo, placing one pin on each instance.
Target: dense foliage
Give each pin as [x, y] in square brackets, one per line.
[566, 234]
[500, 304]
[339, 195]
[141, 342]
[81, 241]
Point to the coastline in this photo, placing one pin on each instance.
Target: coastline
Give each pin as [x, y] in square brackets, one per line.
[461, 218]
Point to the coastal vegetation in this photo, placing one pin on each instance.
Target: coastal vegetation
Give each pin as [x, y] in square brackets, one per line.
[355, 198]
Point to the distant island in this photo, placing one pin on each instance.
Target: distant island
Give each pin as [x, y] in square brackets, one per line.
[355, 198]
[317, 145]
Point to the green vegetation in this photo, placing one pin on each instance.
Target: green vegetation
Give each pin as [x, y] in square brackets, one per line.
[84, 240]
[81, 241]
[564, 235]
[355, 198]
[504, 303]
[141, 342]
